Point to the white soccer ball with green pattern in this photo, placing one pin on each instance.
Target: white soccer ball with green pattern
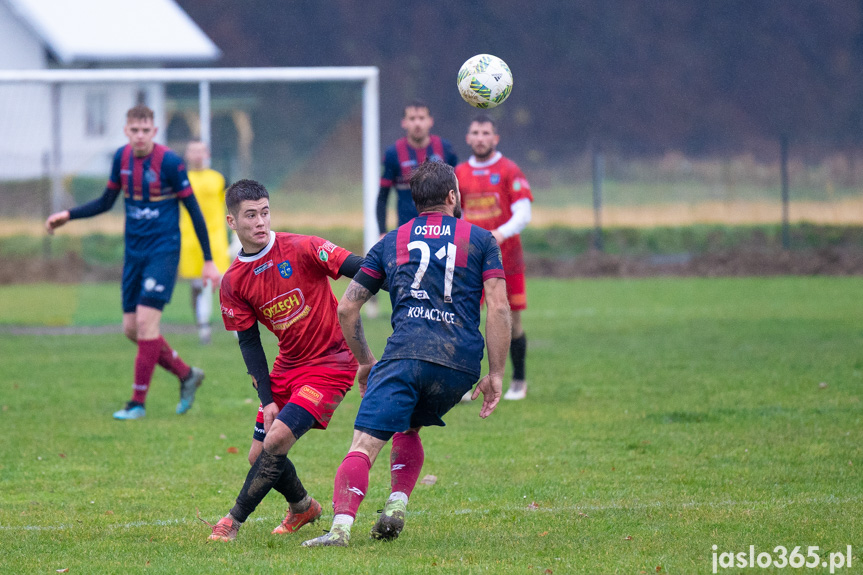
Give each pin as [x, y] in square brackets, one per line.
[484, 81]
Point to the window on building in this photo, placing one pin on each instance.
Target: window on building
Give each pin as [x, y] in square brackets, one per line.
[97, 114]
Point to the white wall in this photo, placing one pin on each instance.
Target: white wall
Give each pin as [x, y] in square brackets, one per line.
[25, 130]
[24, 127]
[85, 154]
[20, 49]
[25, 113]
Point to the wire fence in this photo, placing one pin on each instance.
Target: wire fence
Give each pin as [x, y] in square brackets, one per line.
[304, 142]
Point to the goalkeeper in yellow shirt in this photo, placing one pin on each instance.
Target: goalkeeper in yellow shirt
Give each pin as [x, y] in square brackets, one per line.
[209, 188]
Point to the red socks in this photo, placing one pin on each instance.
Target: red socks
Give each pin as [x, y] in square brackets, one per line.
[170, 360]
[406, 461]
[351, 484]
[151, 352]
[352, 477]
[145, 364]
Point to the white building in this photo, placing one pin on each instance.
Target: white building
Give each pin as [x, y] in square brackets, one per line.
[57, 34]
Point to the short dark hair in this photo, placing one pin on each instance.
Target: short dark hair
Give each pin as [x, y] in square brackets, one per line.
[244, 190]
[484, 119]
[416, 103]
[139, 112]
[430, 183]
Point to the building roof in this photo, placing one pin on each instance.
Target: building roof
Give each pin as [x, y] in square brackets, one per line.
[86, 31]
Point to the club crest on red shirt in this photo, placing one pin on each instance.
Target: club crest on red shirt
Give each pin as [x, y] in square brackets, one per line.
[285, 269]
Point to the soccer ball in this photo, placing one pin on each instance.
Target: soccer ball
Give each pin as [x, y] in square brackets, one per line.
[484, 81]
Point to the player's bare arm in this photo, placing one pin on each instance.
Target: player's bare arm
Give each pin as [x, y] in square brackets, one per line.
[352, 328]
[56, 220]
[352, 324]
[497, 336]
[210, 274]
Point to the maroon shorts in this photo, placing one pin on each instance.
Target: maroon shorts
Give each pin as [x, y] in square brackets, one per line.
[318, 390]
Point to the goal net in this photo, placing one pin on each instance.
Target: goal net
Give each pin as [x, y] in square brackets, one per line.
[311, 135]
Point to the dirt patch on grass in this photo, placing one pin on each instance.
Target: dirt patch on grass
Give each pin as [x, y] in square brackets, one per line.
[70, 269]
[730, 263]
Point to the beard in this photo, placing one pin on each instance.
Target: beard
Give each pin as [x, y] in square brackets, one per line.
[456, 211]
[482, 154]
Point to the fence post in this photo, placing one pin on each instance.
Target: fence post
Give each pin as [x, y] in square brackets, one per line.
[786, 234]
[56, 149]
[598, 174]
[45, 190]
[206, 118]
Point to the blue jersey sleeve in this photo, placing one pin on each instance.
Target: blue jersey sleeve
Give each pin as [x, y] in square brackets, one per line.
[199, 224]
[391, 167]
[449, 154]
[175, 175]
[389, 177]
[372, 274]
[492, 266]
[114, 180]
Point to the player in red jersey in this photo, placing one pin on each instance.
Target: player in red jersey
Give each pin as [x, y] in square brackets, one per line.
[495, 195]
[282, 281]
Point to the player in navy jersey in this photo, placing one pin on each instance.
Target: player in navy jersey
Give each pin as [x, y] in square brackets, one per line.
[437, 267]
[153, 181]
[282, 281]
[404, 156]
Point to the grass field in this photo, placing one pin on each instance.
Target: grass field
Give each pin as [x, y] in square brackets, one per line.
[664, 417]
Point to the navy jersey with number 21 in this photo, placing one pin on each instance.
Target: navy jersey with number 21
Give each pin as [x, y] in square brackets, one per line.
[435, 266]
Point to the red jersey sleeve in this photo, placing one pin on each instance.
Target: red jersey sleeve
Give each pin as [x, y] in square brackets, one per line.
[518, 187]
[237, 314]
[327, 256]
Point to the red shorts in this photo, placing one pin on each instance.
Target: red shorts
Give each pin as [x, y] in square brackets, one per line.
[516, 292]
[318, 390]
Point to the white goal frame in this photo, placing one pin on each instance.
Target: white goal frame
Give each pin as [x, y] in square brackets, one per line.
[204, 77]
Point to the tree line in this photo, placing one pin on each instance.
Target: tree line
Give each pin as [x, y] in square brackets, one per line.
[703, 77]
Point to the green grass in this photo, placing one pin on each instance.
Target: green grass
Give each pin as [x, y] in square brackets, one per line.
[665, 416]
[84, 304]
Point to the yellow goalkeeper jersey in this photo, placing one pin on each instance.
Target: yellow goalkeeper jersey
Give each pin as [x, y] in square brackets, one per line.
[209, 188]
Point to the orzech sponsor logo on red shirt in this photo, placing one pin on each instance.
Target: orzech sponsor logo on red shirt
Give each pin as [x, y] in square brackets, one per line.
[282, 309]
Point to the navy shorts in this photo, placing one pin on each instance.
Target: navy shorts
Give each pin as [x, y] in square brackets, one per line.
[407, 393]
[149, 280]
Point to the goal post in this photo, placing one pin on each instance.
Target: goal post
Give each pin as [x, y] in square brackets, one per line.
[205, 78]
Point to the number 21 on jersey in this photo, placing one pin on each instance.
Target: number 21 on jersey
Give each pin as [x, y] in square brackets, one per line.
[447, 252]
